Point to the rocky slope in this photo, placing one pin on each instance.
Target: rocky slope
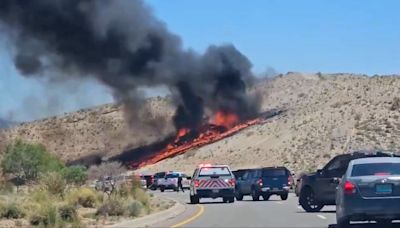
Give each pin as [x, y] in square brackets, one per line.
[326, 115]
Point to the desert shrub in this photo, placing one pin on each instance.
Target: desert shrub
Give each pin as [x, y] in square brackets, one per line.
[44, 213]
[112, 207]
[141, 196]
[75, 174]
[11, 210]
[26, 161]
[53, 182]
[135, 208]
[6, 187]
[124, 190]
[84, 197]
[67, 212]
[395, 104]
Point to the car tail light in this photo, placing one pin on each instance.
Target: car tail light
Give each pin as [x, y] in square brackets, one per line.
[349, 188]
[382, 174]
[196, 183]
[289, 181]
[260, 182]
[232, 182]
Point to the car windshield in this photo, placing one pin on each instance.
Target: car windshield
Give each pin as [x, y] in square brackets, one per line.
[212, 171]
[172, 175]
[372, 169]
[273, 172]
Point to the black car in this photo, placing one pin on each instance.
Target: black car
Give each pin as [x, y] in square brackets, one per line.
[319, 189]
[156, 176]
[264, 182]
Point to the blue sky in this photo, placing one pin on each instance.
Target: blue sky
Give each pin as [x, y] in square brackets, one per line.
[358, 36]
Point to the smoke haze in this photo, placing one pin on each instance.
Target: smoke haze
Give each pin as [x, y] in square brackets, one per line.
[123, 46]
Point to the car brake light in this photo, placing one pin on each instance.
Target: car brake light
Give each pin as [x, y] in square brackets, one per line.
[260, 182]
[196, 183]
[382, 174]
[232, 182]
[349, 188]
[289, 180]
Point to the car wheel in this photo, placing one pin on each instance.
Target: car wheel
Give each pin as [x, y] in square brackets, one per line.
[194, 199]
[266, 197]
[231, 199]
[284, 196]
[308, 202]
[162, 188]
[343, 222]
[239, 196]
[255, 195]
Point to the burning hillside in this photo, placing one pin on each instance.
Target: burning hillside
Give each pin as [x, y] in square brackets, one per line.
[220, 126]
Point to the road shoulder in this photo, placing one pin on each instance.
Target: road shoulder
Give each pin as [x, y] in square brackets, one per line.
[155, 218]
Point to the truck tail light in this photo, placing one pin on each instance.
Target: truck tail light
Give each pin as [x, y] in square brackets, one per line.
[260, 182]
[349, 188]
[196, 183]
[232, 182]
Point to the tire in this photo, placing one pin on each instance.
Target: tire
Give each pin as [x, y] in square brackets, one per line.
[239, 196]
[307, 201]
[231, 199]
[284, 196]
[194, 199]
[255, 195]
[343, 222]
[162, 188]
[266, 197]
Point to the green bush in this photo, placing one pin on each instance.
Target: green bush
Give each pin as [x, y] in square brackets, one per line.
[84, 197]
[142, 196]
[112, 207]
[67, 213]
[43, 214]
[53, 182]
[75, 174]
[26, 161]
[11, 211]
[135, 208]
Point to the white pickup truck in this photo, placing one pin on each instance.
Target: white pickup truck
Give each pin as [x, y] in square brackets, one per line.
[171, 181]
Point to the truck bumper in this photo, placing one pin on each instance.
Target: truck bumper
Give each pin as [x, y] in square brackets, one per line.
[214, 193]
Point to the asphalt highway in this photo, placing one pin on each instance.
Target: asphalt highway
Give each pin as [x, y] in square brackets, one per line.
[273, 213]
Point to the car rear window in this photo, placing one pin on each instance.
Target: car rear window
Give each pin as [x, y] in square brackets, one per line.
[373, 169]
[274, 172]
[172, 175]
[212, 171]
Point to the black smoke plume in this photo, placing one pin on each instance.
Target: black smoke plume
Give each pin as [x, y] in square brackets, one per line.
[122, 45]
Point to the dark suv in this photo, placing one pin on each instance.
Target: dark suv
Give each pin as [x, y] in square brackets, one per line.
[264, 182]
[319, 189]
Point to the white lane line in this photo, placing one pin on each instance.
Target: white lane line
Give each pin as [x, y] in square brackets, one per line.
[279, 202]
[321, 217]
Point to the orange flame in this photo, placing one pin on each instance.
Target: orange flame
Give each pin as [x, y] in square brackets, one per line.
[182, 132]
[228, 120]
[207, 136]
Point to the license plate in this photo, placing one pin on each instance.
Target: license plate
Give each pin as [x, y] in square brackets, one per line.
[215, 190]
[383, 188]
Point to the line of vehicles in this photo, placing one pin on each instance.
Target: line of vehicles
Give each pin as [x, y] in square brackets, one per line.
[364, 186]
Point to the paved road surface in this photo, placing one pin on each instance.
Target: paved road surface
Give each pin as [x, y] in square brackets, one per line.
[274, 213]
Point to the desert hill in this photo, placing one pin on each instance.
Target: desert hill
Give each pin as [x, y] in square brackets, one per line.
[325, 115]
